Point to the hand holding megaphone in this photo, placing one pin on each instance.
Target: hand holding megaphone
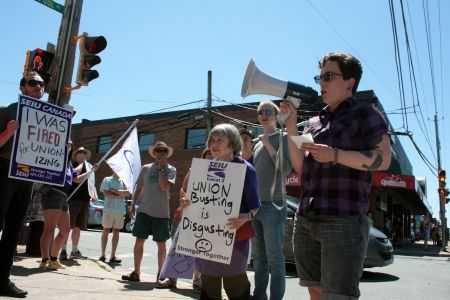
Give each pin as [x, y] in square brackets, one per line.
[284, 115]
[288, 113]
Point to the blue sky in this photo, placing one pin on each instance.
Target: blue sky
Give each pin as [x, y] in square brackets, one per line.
[159, 53]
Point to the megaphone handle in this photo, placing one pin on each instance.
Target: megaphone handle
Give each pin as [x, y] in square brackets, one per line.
[283, 117]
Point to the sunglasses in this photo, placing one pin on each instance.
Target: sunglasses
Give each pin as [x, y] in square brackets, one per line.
[34, 83]
[327, 76]
[267, 112]
[161, 150]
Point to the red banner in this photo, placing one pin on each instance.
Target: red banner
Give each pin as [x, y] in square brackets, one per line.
[393, 180]
[293, 179]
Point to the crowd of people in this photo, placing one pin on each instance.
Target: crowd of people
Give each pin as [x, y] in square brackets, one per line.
[331, 225]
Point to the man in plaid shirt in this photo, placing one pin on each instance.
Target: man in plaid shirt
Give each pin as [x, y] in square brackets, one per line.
[350, 140]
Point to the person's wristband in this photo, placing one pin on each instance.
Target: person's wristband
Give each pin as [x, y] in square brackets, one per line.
[336, 155]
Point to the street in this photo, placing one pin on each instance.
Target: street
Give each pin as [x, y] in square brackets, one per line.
[410, 277]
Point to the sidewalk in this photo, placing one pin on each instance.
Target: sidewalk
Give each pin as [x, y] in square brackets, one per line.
[89, 279]
[418, 249]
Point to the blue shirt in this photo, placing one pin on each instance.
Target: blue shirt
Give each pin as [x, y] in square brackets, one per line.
[113, 204]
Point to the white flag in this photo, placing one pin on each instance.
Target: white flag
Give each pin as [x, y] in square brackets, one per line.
[127, 161]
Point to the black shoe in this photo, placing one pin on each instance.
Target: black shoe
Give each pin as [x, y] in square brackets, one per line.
[102, 259]
[63, 255]
[8, 288]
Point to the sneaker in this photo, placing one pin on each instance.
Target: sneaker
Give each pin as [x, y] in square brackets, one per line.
[8, 288]
[55, 265]
[102, 259]
[43, 264]
[63, 255]
[77, 254]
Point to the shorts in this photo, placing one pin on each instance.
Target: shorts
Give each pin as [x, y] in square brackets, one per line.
[55, 199]
[146, 225]
[79, 214]
[329, 253]
[112, 220]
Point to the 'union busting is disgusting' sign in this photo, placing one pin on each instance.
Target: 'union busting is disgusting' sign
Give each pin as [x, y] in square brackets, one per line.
[40, 152]
[215, 192]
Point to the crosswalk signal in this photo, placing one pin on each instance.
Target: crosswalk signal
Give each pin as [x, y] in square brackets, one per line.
[89, 47]
[39, 61]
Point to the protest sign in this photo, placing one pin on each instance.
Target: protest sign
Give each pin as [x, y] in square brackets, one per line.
[177, 265]
[215, 192]
[39, 152]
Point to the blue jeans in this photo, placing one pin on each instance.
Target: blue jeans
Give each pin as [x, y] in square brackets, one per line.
[267, 249]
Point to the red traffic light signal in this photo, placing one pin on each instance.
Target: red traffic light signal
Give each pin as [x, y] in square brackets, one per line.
[443, 192]
[89, 47]
[40, 61]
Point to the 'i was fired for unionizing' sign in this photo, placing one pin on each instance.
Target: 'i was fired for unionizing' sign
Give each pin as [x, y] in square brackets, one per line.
[215, 191]
[40, 152]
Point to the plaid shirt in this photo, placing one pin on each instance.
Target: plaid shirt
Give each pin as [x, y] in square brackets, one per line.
[334, 189]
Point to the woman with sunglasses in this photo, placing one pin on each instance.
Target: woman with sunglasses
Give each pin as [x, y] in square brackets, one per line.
[225, 144]
[350, 140]
[272, 164]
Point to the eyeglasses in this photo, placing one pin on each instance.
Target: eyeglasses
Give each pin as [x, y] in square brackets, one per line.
[327, 76]
[267, 112]
[34, 83]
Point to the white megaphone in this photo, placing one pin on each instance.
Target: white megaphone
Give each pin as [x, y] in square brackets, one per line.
[258, 82]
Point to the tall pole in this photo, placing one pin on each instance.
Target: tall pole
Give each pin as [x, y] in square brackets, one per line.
[65, 53]
[209, 100]
[441, 197]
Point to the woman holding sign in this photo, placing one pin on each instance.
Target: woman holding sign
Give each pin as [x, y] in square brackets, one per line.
[225, 144]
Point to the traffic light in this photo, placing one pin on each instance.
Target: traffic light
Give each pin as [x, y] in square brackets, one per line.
[89, 47]
[443, 192]
[40, 61]
[442, 179]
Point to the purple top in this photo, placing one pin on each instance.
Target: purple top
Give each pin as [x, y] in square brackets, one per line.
[239, 257]
[333, 189]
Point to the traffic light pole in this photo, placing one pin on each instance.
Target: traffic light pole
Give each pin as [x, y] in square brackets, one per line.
[65, 53]
[441, 197]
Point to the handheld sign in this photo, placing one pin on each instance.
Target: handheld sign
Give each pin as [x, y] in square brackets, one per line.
[215, 191]
[177, 265]
[39, 152]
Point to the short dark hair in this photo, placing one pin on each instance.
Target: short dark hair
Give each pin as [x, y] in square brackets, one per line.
[24, 79]
[348, 65]
[247, 132]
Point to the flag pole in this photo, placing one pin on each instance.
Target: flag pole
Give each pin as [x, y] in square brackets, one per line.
[104, 156]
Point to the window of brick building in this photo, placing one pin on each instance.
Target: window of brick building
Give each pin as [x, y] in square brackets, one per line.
[104, 143]
[146, 140]
[196, 138]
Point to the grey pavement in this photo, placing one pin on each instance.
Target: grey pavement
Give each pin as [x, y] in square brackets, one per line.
[88, 279]
[91, 279]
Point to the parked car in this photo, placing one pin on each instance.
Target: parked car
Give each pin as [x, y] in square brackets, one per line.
[95, 213]
[380, 252]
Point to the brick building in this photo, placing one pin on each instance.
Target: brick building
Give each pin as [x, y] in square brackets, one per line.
[185, 131]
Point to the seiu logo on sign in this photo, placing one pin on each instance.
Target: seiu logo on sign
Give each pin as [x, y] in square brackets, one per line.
[216, 171]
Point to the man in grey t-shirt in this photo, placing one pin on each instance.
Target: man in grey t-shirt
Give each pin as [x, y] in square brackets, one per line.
[152, 188]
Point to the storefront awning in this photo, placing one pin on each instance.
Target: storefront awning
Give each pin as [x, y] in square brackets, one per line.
[407, 187]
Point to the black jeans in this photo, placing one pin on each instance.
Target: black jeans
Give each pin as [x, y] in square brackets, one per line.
[15, 196]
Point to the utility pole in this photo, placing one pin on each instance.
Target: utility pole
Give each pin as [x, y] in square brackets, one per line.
[209, 121]
[441, 197]
[65, 53]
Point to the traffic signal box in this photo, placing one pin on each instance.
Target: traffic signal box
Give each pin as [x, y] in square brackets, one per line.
[443, 191]
[40, 61]
[89, 47]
